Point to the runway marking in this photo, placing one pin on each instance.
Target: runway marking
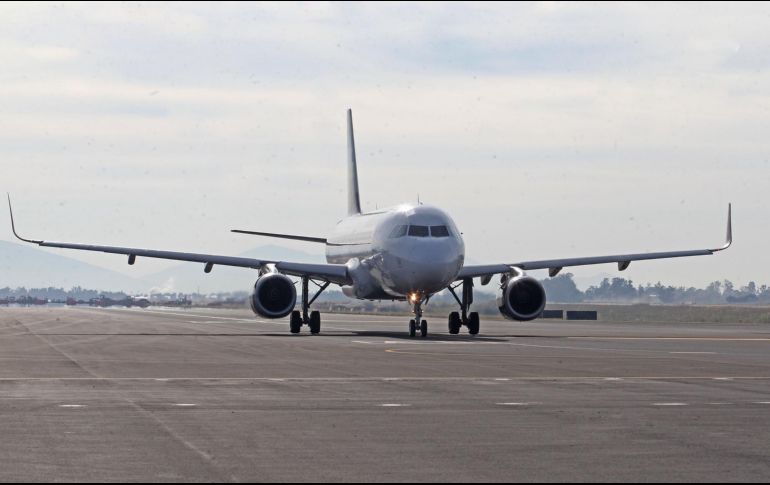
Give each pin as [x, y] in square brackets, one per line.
[361, 342]
[241, 319]
[669, 404]
[762, 402]
[476, 354]
[692, 352]
[72, 405]
[517, 403]
[395, 405]
[714, 339]
[502, 379]
[282, 322]
[185, 405]
[613, 379]
[721, 404]
[379, 379]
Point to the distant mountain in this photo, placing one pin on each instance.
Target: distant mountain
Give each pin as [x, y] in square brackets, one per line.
[189, 277]
[28, 266]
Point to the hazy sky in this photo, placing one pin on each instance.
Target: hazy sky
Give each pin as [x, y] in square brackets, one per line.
[546, 129]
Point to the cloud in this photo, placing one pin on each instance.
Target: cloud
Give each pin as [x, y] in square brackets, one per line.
[538, 125]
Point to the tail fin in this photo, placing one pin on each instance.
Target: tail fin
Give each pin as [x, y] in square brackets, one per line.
[354, 202]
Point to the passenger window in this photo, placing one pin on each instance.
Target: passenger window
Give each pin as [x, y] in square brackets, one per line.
[439, 231]
[418, 231]
[398, 231]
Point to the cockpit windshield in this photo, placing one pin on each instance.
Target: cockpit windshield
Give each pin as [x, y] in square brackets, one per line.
[418, 231]
[439, 231]
[398, 231]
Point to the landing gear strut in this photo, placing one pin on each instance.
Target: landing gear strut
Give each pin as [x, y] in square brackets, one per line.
[311, 319]
[418, 323]
[470, 320]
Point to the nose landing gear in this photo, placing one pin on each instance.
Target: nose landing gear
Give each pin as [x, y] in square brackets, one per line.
[457, 320]
[417, 323]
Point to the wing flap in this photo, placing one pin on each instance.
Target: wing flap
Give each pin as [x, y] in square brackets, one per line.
[154, 253]
[623, 259]
[336, 273]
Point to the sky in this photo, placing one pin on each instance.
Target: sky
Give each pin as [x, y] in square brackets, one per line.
[547, 129]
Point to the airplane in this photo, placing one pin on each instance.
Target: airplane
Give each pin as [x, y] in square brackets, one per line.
[407, 253]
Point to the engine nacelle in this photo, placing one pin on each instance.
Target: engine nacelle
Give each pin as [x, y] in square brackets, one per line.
[523, 299]
[274, 296]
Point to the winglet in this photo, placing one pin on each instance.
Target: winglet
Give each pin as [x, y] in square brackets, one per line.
[13, 226]
[729, 237]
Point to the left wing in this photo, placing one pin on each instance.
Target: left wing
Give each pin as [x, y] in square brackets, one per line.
[335, 273]
[623, 260]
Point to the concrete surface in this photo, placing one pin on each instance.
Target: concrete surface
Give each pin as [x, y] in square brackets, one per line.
[217, 395]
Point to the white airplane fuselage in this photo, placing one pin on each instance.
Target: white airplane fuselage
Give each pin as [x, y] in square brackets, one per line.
[397, 253]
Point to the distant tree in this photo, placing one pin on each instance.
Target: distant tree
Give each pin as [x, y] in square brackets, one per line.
[666, 294]
[562, 289]
[728, 288]
[619, 289]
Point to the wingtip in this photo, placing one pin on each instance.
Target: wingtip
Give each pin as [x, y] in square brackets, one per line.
[729, 235]
[13, 224]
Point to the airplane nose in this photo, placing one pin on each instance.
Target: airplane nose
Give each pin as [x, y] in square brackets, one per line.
[428, 267]
[428, 279]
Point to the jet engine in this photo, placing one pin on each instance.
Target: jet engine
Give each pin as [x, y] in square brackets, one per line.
[522, 299]
[274, 296]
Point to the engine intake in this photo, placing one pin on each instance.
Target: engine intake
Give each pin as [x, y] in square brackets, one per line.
[523, 299]
[274, 296]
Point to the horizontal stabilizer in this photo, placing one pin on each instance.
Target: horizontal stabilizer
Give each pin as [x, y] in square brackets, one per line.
[283, 236]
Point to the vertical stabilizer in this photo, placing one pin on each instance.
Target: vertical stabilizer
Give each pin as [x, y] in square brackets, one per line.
[354, 202]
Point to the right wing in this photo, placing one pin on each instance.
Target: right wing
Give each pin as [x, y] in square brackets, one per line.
[335, 273]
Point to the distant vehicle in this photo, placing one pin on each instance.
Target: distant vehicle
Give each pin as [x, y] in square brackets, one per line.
[404, 253]
[140, 301]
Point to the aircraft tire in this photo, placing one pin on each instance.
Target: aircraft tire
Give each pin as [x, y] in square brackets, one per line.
[424, 328]
[474, 324]
[412, 328]
[295, 322]
[454, 323]
[315, 322]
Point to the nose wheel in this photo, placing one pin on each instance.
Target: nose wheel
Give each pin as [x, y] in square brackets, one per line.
[417, 324]
[414, 327]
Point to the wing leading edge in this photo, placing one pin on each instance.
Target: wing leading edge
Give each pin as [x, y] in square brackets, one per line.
[554, 266]
[335, 273]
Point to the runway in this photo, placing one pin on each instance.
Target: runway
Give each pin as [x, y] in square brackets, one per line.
[92, 394]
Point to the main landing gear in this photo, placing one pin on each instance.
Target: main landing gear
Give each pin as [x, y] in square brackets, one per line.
[470, 320]
[311, 319]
